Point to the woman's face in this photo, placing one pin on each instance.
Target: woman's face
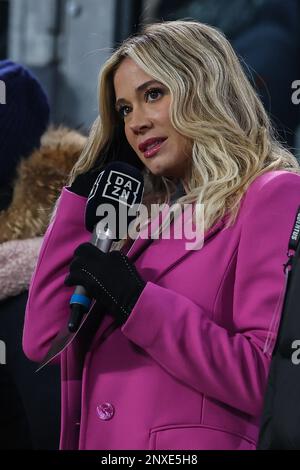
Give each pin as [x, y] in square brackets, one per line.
[144, 107]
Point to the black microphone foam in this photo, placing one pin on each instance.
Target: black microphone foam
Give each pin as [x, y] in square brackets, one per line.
[119, 189]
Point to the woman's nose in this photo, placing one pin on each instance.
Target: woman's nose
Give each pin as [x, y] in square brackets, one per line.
[139, 122]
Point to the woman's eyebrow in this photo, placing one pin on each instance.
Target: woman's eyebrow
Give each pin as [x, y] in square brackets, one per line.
[138, 89]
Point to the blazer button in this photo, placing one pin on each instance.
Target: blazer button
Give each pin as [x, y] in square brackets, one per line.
[105, 411]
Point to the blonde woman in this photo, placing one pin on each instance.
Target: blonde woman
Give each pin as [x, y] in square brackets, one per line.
[182, 340]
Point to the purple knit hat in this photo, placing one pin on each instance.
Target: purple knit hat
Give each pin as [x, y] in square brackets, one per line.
[23, 118]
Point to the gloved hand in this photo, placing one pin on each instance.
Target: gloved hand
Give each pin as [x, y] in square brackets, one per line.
[109, 278]
[83, 183]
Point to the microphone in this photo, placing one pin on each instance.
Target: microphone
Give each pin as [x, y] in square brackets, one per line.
[117, 192]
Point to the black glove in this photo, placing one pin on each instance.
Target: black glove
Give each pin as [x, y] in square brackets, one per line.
[110, 278]
[83, 183]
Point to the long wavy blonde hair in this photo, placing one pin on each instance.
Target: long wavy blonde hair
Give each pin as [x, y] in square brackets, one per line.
[212, 103]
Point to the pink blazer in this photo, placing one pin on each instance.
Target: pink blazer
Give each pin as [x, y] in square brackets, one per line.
[189, 368]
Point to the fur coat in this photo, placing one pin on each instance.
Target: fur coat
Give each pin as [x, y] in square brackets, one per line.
[37, 186]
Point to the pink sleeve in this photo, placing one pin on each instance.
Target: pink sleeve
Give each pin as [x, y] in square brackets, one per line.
[47, 309]
[230, 366]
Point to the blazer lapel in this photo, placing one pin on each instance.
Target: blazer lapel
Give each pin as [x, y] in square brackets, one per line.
[171, 251]
[143, 240]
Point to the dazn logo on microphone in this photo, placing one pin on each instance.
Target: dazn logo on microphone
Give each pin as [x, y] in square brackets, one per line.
[121, 188]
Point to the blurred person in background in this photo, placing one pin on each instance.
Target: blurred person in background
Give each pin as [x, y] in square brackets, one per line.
[34, 164]
[265, 34]
[176, 351]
